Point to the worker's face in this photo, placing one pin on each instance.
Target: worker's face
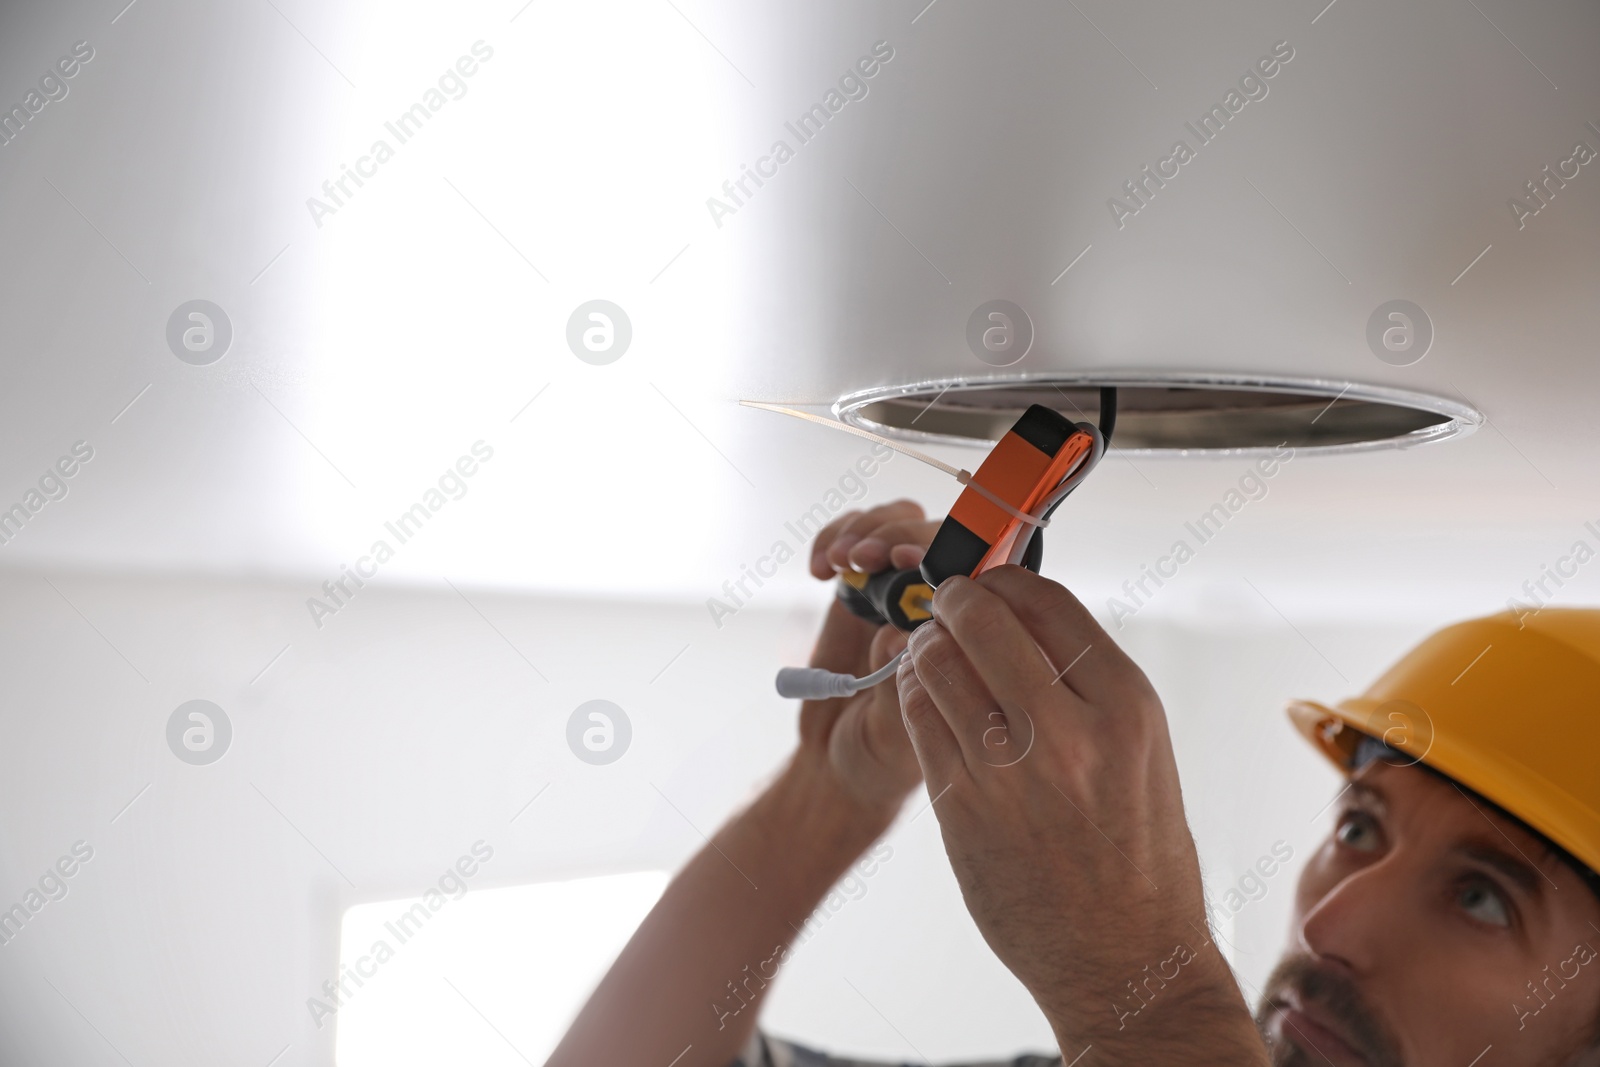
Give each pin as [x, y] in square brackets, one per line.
[1430, 931]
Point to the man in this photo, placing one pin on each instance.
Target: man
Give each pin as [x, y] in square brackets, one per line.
[1433, 927]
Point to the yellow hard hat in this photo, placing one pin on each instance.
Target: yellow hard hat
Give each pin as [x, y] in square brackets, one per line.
[1508, 706]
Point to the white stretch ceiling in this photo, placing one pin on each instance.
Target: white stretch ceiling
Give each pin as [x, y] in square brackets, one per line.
[373, 345]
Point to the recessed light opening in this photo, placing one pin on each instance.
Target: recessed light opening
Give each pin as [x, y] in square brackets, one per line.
[1168, 413]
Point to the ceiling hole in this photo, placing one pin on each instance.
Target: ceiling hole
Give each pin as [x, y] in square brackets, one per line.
[1169, 414]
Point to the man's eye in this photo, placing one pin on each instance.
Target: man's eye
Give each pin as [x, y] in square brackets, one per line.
[1484, 903]
[1357, 831]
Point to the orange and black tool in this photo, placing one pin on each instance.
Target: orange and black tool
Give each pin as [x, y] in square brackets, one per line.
[1023, 469]
[1016, 478]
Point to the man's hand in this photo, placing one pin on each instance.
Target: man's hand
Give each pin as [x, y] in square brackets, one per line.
[862, 736]
[1047, 754]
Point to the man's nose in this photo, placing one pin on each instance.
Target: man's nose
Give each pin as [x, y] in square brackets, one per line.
[1364, 914]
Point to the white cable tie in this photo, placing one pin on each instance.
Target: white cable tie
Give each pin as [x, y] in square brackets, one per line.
[904, 450]
[965, 478]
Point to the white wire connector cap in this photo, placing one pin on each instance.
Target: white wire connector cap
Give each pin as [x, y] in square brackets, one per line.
[814, 683]
[817, 683]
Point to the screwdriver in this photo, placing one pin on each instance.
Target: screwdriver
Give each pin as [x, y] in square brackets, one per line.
[900, 598]
[904, 598]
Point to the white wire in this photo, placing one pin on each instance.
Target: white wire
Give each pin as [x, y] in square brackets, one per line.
[883, 673]
[1077, 474]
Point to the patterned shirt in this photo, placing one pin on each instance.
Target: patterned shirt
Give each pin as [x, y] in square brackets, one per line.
[764, 1051]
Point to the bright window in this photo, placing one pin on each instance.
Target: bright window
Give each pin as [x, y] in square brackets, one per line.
[491, 977]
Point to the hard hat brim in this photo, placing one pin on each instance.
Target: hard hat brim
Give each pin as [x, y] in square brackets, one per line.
[1332, 731]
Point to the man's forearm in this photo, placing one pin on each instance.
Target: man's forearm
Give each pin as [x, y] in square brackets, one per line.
[693, 974]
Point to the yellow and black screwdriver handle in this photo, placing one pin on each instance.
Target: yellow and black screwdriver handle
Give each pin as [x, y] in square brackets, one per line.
[902, 599]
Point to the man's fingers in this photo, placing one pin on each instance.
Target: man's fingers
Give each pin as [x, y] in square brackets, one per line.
[885, 643]
[904, 557]
[884, 725]
[849, 528]
[936, 747]
[1083, 656]
[957, 690]
[874, 551]
[993, 641]
[867, 525]
[820, 568]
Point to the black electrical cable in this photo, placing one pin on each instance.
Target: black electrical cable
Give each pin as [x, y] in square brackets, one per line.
[1108, 412]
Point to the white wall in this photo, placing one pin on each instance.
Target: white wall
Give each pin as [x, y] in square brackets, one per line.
[377, 749]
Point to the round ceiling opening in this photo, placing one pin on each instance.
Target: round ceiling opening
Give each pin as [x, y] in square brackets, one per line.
[1169, 414]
